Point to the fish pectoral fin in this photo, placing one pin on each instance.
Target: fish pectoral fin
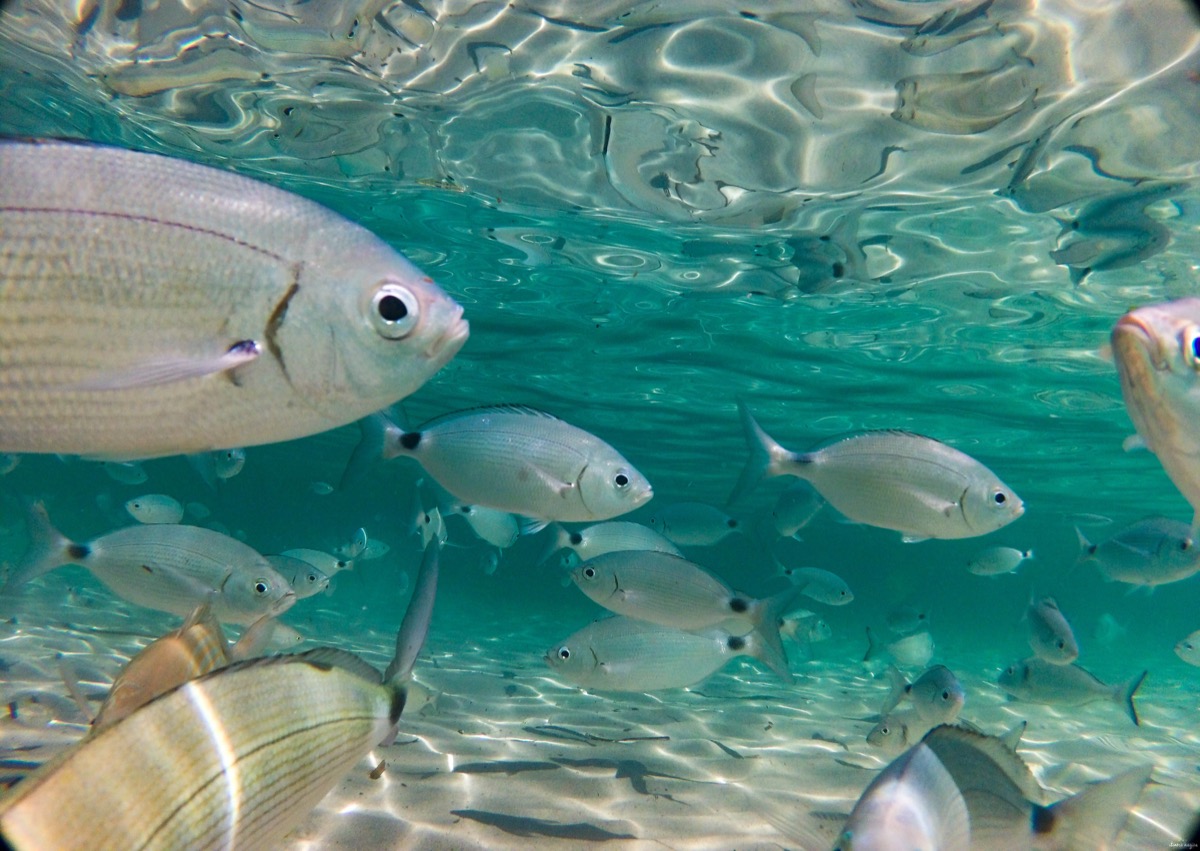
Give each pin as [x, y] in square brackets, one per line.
[912, 539]
[551, 481]
[169, 370]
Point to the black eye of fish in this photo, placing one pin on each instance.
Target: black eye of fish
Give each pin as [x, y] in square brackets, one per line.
[392, 308]
[622, 480]
[564, 653]
[945, 695]
[260, 587]
[1183, 545]
[312, 577]
[1000, 498]
[589, 572]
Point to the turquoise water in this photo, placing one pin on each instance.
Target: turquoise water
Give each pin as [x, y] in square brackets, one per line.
[849, 215]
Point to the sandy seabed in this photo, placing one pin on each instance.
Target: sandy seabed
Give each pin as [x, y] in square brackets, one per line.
[495, 753]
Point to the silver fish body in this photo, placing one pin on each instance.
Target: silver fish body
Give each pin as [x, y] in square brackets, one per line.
[523, 461]
[1188, 648]
[498, 528]
[937, 696]
[1050, 634]
[1153, 551]
[608, 537]
[914, 649]
[795, 508]
[824, 586]
[993, 561]
[623, 654]
[169, 567]
[1157, 355]
[305, 578]
[154, 508]
[1066, 685]
[915, 485]
[221, 311]
[695, 524]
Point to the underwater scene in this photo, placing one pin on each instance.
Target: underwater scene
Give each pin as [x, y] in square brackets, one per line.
[691, 425]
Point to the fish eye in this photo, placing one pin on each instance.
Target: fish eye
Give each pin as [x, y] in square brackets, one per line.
[946, 695]
[999, 498]
[1061, 644]
[564, 653]
[312, 578]
[885, 730]
[394, 311]
[1185, 544]
[621, 481]
[1191, 347]
[589, 572]
[261, 587]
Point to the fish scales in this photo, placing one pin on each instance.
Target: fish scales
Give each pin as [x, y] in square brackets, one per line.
[275, 735]
[154, 306]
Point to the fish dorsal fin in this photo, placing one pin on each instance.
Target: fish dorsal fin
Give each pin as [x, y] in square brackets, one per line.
[335, 658]
[978, 761]
[521, 410]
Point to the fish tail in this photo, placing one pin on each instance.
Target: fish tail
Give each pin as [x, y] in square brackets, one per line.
[767, 616]
[380, 440]
[898, 686]
[48, 548]
[1124, 696]
[765, 645]
[560, 537]
[873, 646]
[1092, 818]
[765, 455]
[1085, 546]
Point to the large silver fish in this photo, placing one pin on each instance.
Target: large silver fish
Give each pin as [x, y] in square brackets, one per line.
[916, 485]
[1153, 551]
[151, 306]
[515, 459]
[1066, 685]
[623, 654]
[1157, 352]
[164, 566]
[234, 759]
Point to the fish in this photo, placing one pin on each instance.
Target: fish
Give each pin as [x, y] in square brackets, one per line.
[912, 804]
[305, 578]
[319, 488]
[252, 747]
[1156, 353]
[213, 320]
[897, 731]
[8, 462]
[168, 567]
[1108, 631]
[219, 466]
[430, 526]
[1188, 649]
[327, 563]
[693, 524]
[608, 537]
[1150, 552]
[498, 528]
[669, 590]
[937, 696]
[994, 561]
[1003, 797]
[624, 654]
[795, 508]
[805, 626]
[896, 480]
[1067, 685]
[820, 585]
[1050, 635]
[907, 619]
[914, 650]
[512, 458]
[154, 508]
[125, 472]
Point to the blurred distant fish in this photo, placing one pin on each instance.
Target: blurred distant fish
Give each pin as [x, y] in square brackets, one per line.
[498, 528]
[374, 549]
[250, 747]
[167, 567]
[805, 627]
[1050, 635]
[327, 563]
[1156, 351]
[213, 318]
[915, 485]
[607, 537]
[430, 526]
[215, 467]
[993, 561]
[795, 508]
[693, 524]
[512, 458]
[1154, 551]
[154, 508]
[320, 488]
[906, 619]
[937, 696]
[1108, 631]
[821, 585]
[125, 472]
[1188, 649]
[1066, 685]
[8, 462]
[354, 547]
[623, 654]
[304, 578]
[914, 650]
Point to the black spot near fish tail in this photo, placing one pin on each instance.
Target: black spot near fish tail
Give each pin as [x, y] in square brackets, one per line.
[78, 552]
[739, 605]
[736, 642]
[410, 439]
[399, 698]
[1043, 820]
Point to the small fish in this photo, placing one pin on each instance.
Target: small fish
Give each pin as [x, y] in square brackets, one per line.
[227, 463]
[8, 462]
[237, 351]
[1108, 631]
[1066, 685]
[167, 567]
[253, 746]
[937, 696]
[669, 590]
[795, 508]
[915, 485]
[515, 459]
[198, 510]
[305, 578]
[694, 524]
[498, 528]
[430, 526]
[353, 548]
[994, 561]
[154, 508]
[907, 619]
[375, 549]
[1188, 649]
[320, 488]
[805, 626]
[912, 804]
[897, 731]
[913, 650]
[1150, 552]
[608, 537]
[327, 563]
[126, 472]
[623, 654]
[1050, 635]
[1156, 352]
[820, 585]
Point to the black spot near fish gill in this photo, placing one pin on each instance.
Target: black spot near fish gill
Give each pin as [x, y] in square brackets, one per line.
[739, 605]
[736, 642]
[78, 552]
[409, 440]
[275, 320]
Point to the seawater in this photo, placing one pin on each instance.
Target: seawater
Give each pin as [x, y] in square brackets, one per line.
[849, 215]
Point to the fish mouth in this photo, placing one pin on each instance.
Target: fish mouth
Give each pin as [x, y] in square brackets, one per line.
[1133, 336]
[447, 344]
